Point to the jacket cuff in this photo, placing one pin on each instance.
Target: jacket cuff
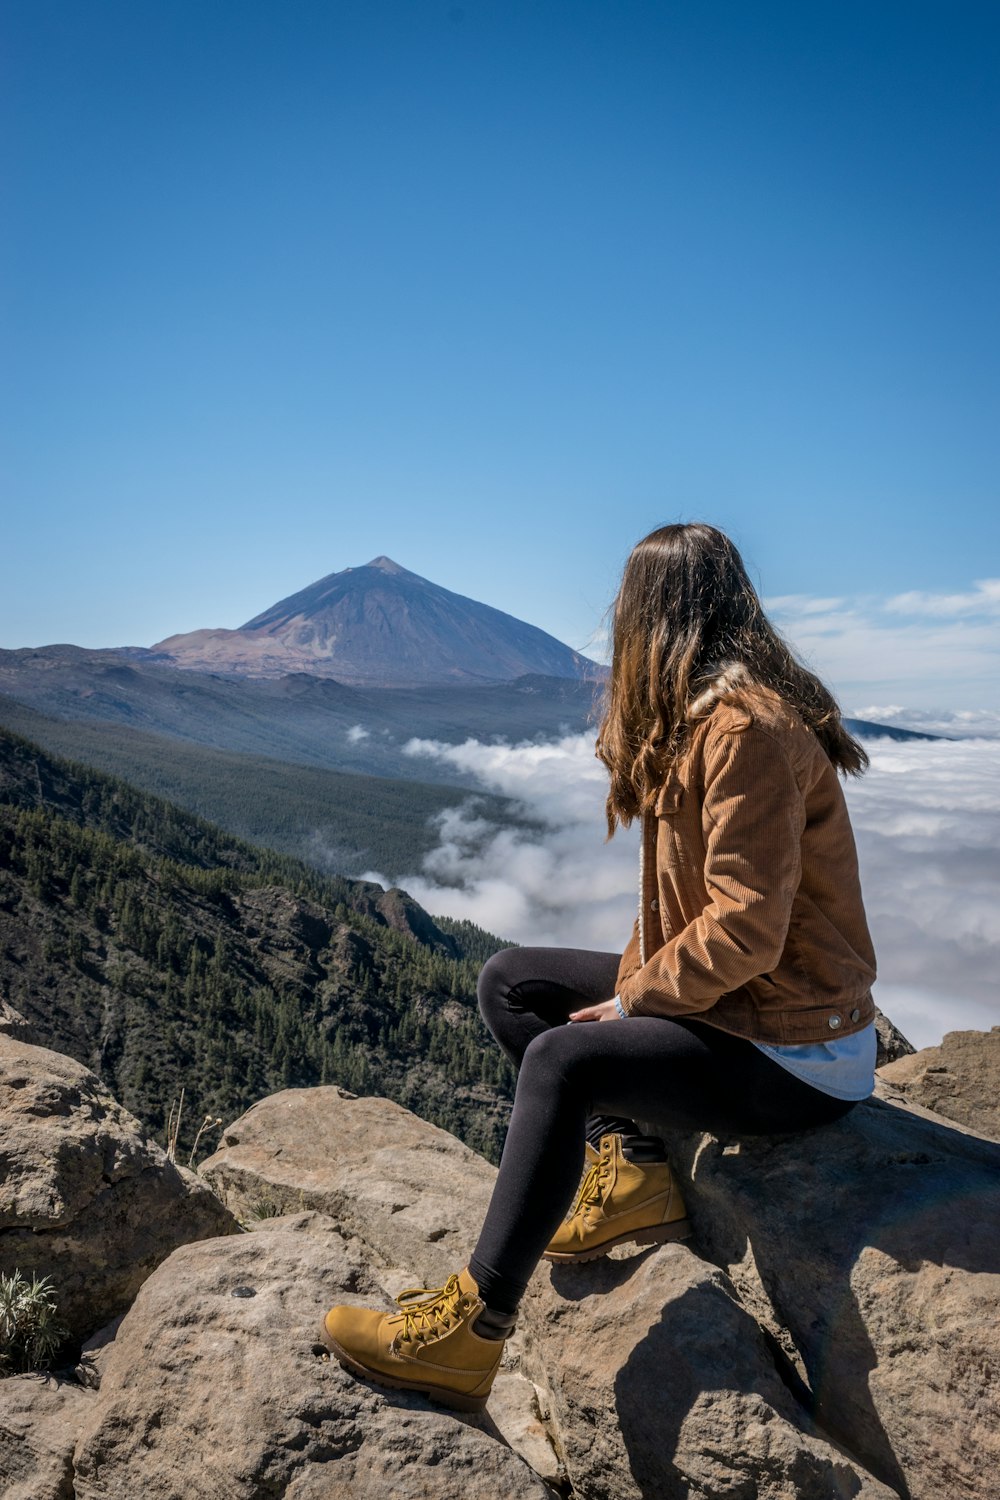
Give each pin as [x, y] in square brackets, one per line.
[628, 1005]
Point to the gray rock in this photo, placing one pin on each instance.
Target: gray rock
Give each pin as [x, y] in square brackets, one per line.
[890, 1041]
[870, 1249]
[662, 1385]
[960, 1079]
[13, 1024]
[85, 1198]
[522, 1413]
[230, 1398]
[40, 1421]
[412, 1194]
[415, 1198]
[415, 1194]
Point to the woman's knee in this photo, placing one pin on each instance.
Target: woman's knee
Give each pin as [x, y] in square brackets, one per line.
[559, 1057]
[494, 983]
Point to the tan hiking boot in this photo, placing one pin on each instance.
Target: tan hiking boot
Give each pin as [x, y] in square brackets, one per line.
[430, 1346]
[620, 1201]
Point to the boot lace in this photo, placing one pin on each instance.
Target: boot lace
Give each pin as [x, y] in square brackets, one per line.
[593, 1186]
[424, 1318]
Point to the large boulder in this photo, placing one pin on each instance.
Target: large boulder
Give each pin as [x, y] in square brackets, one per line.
[869, 1251]
[412, 1194]
[415, 1198]
[830, 1334]
[216, 1387]
[662, 1385]
[960, 1079]
[86, 1198]
[411, 1191]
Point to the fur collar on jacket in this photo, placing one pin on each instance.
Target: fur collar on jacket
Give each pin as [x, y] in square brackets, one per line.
[726, 679]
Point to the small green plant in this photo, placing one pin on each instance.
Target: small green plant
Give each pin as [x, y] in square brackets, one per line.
[263, 1207]
[30, 1331]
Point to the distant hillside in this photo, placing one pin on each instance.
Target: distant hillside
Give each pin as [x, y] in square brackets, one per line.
[307, 720]
[163, 953]
[339, 822]
[301, 764]
[379, 625]
[866, 730]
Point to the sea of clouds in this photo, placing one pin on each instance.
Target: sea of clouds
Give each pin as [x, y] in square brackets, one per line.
[927, 821]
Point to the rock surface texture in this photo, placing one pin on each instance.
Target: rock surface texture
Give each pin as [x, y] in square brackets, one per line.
[830, 1334]
[960, 1079]
[214, 1388]
[13, 1024]
[890, 1041]
[40, 1422]
[662, 1387]
[410, 1191]
[869, 1250]
[414, 1198]
[85, 1198]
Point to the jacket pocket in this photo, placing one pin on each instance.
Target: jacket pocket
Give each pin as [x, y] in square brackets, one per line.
[669, 798]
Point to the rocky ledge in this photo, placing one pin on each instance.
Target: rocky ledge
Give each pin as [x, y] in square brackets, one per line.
[829, 1334]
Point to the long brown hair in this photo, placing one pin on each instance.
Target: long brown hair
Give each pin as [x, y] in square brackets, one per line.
[687, 615]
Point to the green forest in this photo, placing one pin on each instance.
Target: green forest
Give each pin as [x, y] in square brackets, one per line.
[168, 955]
[331, 819]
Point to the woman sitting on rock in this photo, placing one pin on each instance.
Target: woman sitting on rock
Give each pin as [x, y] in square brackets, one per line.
[742, 1001]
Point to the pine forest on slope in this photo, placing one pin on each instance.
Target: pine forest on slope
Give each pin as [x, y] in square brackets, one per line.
[165, 954]
[339, 822]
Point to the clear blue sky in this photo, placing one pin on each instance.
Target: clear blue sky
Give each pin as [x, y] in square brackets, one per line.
[492, 288]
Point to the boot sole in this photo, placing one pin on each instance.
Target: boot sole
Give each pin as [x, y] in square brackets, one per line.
[656, 1234]
[457, 1400]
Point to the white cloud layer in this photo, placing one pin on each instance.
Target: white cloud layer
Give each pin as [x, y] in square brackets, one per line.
[557, 883]
[927, 819]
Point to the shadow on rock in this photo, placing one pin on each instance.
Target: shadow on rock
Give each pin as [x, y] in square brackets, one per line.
[706, 1350]
[662, 1386]
[871, 1250]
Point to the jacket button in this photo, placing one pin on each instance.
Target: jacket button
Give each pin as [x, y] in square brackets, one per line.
[654, 905]
[855, 1015]
[833, 1022]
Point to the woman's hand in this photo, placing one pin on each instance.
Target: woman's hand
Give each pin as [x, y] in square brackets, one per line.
[606, 1011]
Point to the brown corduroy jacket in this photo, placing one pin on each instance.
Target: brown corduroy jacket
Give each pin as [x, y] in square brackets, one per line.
[750, 912]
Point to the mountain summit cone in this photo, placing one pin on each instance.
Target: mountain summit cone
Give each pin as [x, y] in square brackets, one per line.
[380, 626]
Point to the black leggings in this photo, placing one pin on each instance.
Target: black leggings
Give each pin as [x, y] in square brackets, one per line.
[678, 1071]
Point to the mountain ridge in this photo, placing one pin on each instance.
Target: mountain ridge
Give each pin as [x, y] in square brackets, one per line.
[379, 625]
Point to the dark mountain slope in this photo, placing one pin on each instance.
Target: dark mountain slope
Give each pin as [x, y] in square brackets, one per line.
[298, 718]
[342, 822]
[380, 625]
[165, 954]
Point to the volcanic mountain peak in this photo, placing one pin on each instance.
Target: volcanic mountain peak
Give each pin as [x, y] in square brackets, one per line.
[380, 625]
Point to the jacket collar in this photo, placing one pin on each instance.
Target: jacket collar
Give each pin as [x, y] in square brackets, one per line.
[723, 679]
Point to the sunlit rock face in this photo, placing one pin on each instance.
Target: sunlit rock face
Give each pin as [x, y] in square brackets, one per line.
[829, 1331]
[86, 1198]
